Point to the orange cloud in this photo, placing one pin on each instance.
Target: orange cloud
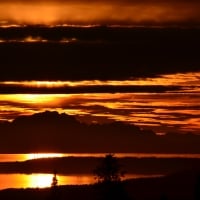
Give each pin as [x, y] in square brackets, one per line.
[100, 12]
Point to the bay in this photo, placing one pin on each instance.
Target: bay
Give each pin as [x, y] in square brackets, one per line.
[42, 180]
[45, 180]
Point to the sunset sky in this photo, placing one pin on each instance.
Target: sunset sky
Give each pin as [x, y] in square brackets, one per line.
[102, 76]
[97, 62]
[117, 12]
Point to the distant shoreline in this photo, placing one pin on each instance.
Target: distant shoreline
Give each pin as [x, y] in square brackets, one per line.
[71, 165]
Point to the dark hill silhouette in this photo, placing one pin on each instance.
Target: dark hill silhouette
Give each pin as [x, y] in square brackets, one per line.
[54, 132]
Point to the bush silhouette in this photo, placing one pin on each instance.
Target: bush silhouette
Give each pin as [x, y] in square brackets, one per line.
[109, 170]
[54, 180]
[108, 175]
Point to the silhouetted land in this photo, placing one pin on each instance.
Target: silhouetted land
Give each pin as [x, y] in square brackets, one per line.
[54, 132]
[71, 165]
[179, 186]
[97, 52]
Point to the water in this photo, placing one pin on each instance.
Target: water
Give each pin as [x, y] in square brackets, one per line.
[45, 180]
[41, 180]
[176, 110]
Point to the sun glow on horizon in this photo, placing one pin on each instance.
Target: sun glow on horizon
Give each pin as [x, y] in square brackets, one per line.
[43, 155]
[176, 110]
[32, 98]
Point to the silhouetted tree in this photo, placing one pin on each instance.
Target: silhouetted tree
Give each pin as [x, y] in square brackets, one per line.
[197, 188]
[163, 197]
[109, 170]
[108, 175]
[55, 195]
[54, 180]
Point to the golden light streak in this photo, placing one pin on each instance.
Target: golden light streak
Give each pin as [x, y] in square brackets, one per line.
[76, 180]
[34, 39]
[25, 181]
[45, 180]
[43, 155]
[23, 157]
[183, 79]
[38, 83]
[156, 111]
[163, 111]
[32, 98]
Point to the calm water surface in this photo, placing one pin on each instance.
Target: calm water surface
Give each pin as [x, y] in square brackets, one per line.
[45, 180]
[41, 180]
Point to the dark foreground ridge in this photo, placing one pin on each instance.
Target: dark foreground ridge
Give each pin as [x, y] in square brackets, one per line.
[54, 132]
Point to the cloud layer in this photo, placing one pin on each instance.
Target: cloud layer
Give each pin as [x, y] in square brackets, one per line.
[97, 53]
[155, 12]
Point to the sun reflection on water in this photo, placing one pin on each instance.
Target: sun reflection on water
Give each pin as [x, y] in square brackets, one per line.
[25, 181]
[40, 180]
[45, 180]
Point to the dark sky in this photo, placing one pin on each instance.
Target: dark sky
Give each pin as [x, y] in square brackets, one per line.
[97, 53]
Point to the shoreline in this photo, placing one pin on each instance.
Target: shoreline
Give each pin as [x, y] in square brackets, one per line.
[71, 165]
